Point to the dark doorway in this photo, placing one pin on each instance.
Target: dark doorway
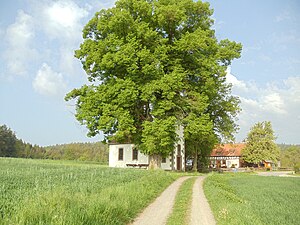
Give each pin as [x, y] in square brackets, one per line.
[178, 163]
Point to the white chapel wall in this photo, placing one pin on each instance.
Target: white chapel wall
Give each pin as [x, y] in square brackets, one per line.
[127, 156]
[171, 161]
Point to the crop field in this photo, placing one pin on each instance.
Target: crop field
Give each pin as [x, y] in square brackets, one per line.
[66, 192]
[251, 199]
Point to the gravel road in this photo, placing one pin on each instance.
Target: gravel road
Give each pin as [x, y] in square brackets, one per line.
[201, 213]
[157, 213]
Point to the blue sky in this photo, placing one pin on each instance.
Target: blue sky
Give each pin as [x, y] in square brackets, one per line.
[37, 67]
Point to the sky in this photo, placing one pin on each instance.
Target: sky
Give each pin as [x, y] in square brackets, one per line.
[38, 67]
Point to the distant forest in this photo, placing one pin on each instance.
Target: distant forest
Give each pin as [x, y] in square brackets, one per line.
[11, 146]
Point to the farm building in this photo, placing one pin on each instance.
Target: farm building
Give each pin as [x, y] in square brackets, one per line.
[127, 155]
[227, 156]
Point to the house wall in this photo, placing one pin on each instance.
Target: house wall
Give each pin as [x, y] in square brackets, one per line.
[221, 161]
[182, 143]
[167, 164]
[230, 162]
[170, 164]
[181, 153]
[127, 156]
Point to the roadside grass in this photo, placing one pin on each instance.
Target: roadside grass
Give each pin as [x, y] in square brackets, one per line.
[65, 192]
[251, 199]
[182, 206]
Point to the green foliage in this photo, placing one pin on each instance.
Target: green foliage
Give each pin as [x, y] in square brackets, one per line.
[95, 152]
[182, 205]
[260, 144]
[247, 199]
[8, 141]
[159, 137]
[290, 157]
[155, 65]
[11, 146]
[68, 192]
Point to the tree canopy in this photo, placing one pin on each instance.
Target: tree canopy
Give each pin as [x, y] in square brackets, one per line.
[261, 144]
[154, 65]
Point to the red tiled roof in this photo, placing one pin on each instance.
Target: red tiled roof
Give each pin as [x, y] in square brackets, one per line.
[228, 150]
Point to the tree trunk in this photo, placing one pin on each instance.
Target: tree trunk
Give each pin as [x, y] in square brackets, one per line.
[155, 161]
[195, 164]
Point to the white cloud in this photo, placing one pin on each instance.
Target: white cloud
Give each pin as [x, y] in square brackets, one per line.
[59, 25]
[62, 14]
[278, 102]
[48, 82]
[273, 102]
[19, 37]
[21, 32]
[62, 19]
[68, 63]
[231, 79]
[293, 84]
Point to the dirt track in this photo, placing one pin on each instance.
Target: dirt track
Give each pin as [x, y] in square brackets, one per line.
[201, 213]
[157, 213]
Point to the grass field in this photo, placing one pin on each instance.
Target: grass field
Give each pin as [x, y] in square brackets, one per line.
[64, 192]
[251, 199]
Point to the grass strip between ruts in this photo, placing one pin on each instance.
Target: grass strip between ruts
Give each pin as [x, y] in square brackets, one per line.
[183, 201]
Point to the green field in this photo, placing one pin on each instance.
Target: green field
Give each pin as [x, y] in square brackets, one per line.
[66, 192]
[251, 199]
[69, 192]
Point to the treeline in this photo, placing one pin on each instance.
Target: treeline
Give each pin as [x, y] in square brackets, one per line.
[11, 146]
[290, 156]
[97, 152]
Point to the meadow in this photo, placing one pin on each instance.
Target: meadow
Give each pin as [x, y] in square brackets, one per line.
[69, 192]
[251, 199]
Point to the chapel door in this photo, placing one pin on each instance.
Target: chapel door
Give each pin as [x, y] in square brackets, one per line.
[178, 163]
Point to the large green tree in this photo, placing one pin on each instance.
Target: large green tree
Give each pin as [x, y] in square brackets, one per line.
[261, 144]
[154, 65]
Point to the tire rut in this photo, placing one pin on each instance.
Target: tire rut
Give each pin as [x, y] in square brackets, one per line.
[157, 212]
